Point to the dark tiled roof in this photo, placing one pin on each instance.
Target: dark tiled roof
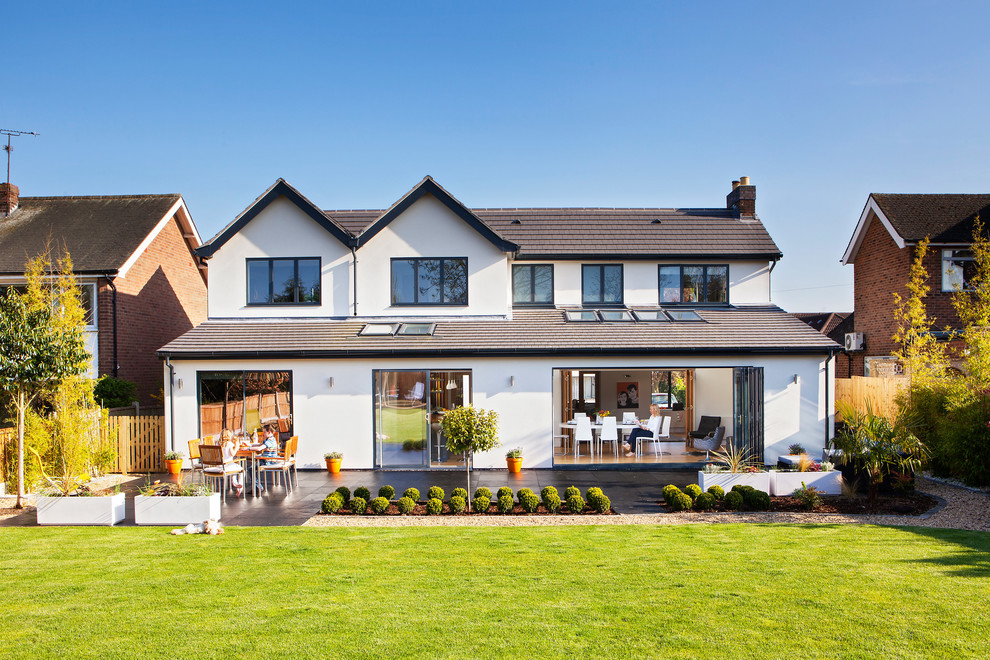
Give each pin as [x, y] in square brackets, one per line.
[550, 232]
[943, 218]
[831, 324]
[530, 332]
[100, 233]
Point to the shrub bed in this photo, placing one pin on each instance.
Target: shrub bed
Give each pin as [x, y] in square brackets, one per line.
[748, 499]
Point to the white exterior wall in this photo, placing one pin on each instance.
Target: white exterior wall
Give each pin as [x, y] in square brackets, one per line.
[430, 229]
[341, 418]
[280, 230]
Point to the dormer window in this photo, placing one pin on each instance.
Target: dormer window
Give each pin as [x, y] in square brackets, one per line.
[694, 284]
[601, 284]
[283, 281]
[532, 284]
[434, 281]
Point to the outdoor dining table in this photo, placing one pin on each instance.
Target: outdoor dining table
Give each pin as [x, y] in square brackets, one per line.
[251, 454]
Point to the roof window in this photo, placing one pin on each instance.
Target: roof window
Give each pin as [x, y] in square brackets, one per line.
[416, 329]
[650, 315]
[379, 330]
[615, 315]
[581, 315]
[684, 315]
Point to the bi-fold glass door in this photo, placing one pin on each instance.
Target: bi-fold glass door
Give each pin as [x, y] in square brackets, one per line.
[409, 405]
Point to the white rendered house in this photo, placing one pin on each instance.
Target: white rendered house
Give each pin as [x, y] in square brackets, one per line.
[355, 330]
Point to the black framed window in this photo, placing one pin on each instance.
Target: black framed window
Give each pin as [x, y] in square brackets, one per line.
[694, 284]
[532, 284]
[601, 284]
[283, 281]
[430, 281]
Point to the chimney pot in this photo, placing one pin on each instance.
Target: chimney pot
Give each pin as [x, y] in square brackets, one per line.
[744, 181]
[735, 184]
[9, 194]
[742, 198]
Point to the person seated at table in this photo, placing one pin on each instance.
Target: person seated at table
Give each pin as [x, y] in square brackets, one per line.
[229, 447]
[644, 431]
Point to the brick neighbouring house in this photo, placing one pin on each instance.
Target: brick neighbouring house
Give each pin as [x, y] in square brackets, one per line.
[881, 250]
[133, 257]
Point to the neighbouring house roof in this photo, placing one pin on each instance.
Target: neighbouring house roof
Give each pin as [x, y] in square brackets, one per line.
[833, 325]
[908, 218]
[765, 330]
[102, 234]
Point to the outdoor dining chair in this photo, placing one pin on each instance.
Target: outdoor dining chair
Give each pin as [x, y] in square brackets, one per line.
[609, 434]
[215, 467]
[583, 434]
[283, 464]
[194, 460]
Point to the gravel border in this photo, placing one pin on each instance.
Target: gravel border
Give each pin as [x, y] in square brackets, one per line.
[958, 508]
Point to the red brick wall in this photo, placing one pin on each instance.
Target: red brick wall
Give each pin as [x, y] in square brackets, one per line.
[162, 296]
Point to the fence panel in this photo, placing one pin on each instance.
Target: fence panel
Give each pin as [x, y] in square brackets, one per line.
[881, 393]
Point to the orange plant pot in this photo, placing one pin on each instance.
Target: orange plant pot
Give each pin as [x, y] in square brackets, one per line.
[173, 467]
[333, 464]
[515, 464]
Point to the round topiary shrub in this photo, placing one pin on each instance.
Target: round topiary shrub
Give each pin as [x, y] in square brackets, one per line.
[379, 505]
[693, 490]
[457, 504]
[332, 503]
[483, 491]
[547, 490]
[530, 502]
[359, 505]
[407, 504]
[504, 491]
[387, 492]
[345, 493]
[717, 492]
[412, 494]
[594, 490]
[552, 502]
[756, 500]
[669, 491]
[681, 502]
[436, 493]
[704, 502]
[363, 493]
[575, 504]
[601, 503]
[523, 491]
[505, 504]
[459, 492]
[434, 506]
[481, 503]
[733, 500]
[570, 491]
[742, 488]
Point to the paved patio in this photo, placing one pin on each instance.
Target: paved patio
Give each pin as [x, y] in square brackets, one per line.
[631, 491]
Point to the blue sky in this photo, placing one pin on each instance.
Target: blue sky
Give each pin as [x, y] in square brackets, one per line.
[510, 104]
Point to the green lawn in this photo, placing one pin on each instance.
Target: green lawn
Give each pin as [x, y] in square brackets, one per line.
[577, 592]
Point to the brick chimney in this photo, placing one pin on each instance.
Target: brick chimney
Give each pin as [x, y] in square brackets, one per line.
[742, 198]
[8, 199]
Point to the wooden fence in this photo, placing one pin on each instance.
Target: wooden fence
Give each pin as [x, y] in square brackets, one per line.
[139, 441]
[881, 393]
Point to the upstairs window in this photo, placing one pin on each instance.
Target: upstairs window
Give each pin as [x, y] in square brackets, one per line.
[601, 284]
[430, 281]
[532, 285]
[958, 269]
[283, 281]
[694, 284]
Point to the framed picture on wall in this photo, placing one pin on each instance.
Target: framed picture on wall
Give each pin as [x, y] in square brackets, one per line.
[627, 395]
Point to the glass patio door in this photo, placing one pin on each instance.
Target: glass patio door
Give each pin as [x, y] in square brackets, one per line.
[402, 414]
[748, 410]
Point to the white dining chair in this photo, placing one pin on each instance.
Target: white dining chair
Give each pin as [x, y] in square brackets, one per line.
[628, 418]
[662, 433]
[610, 434]
[583, 434]
[579, 415]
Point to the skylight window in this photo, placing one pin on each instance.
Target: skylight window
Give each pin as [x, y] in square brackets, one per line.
[416, 329]
[650, 315]
[582, 315]
[684, 315]
[615, 315]
[378, 330]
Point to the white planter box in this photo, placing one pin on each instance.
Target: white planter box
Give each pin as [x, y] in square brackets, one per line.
[100, 510]
[785, 483]
[153, 510]
[758, 480]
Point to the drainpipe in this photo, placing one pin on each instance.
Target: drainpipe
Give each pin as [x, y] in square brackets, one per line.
[354, 259]
[171, 401]
[113, 288]
[828, 409]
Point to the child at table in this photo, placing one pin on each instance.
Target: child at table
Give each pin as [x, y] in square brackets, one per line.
[644, 431]
[229, 447]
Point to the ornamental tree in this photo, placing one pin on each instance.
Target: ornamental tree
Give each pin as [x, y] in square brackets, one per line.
[41, 340]
[468, 429]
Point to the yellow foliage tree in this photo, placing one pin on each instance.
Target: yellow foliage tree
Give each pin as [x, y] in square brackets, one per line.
[924, 359]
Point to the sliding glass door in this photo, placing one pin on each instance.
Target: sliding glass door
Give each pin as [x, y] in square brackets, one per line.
[408, 408]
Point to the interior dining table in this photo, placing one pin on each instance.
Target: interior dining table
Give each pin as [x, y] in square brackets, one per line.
[596, 428]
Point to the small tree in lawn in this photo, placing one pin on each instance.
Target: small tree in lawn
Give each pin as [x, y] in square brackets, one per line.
[469, 430]
[41, 340]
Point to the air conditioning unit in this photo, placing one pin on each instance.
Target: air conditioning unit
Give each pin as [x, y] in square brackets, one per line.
[854, 341]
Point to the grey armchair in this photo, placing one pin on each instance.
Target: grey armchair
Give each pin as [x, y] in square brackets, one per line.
[711, 443]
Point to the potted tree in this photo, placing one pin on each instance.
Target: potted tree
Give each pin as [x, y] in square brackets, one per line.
[468, 430]
[173, 462]
[333, 459]
[513, 459]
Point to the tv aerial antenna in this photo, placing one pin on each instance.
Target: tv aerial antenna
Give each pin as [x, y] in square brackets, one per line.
[9, 133]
